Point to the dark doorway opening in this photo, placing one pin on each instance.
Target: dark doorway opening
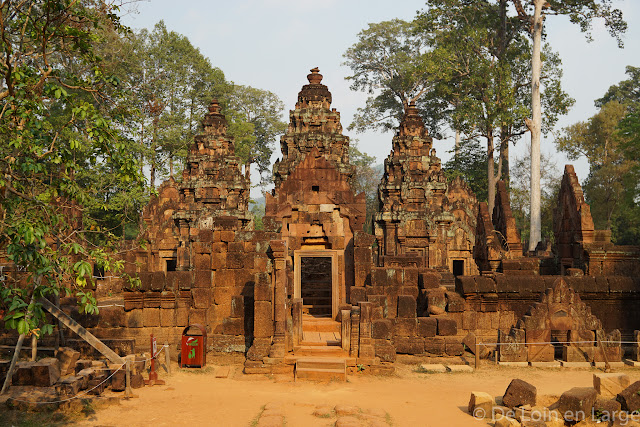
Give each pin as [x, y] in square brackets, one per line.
[315, 285]
[458, 267]
[558, 340]
[172, 264]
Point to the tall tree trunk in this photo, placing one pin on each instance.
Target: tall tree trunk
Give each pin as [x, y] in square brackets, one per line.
[457, 146]
[491, 181]
[171, 166]
[504, 154]
[535, 127]
[153, 163]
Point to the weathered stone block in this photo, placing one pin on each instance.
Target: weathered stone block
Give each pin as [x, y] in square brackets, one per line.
[436, 298]
[237, 306]
[629, 398]
[201, 297]
[455, 303]
[111, 317]
[405, 327]
[434, 346]
[167, 317]
[427, 327]
[235, 260]
[381, 329]
[182, 316]
[203, 278]
[67, 358]
[610, 384]
[118, 380]
[576, 404]
[577, 354]
[151, 317]
[46, 372]
[541, 353]
[227, 236]
[480, 404]
[447, 327]
[453, 347]
[519, 393]
[233, 326]
[197, 315]
[263, 319]
[406, 306]
[202, 261]
[133, 318]
[357, 295]
[69, 386]
[385, 350]
[409, 345]
[469, 320]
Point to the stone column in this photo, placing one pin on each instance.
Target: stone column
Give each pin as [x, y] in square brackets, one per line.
[279, 248]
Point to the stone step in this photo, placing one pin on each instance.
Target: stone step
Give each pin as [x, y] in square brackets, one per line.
[320, 325]
[319, 351]
[321, 362]
[321, 374]
[321, 368]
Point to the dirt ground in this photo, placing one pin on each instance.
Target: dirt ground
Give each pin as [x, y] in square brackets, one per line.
[408, 398]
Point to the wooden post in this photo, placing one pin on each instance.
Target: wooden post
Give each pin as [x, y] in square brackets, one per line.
[82, 332]
[127, 378]
[477, 352]
[12, 366]
[167, 356]
[34, 347]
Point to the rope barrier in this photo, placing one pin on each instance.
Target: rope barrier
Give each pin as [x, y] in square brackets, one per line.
[554, 342]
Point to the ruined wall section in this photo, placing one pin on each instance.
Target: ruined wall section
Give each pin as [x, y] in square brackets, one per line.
[579, 244]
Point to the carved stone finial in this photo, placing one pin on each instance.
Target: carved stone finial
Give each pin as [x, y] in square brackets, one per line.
[315, 77]
[214, 121]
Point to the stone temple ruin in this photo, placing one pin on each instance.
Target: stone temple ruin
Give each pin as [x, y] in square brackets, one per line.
[437, 267]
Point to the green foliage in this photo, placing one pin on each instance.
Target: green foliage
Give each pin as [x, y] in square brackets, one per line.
[257, 209]
[60, 128]
[390, 61]
[599, 140]
[365, 180]
[470, 162]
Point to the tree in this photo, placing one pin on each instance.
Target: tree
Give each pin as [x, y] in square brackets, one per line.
[484, 48]
[391, 62]
[519, 193]
[470, 163]
[366, 179]
[256, 123]
[598, 140]
[533, 13]
[58, 124]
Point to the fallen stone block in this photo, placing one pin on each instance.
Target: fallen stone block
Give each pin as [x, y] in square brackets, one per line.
[68, 358]
[506, 422]
[459, 368]
[82, 364]
[23, 374]
[519, 393]
[610, 384]
[69, 386]
[480, 404]
[577, 403]
[46, 372]
[629, 398]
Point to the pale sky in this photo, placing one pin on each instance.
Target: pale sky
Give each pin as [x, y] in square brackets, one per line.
[272, 44]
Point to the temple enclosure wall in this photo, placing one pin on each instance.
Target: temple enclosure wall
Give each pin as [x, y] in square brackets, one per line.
[438, 272]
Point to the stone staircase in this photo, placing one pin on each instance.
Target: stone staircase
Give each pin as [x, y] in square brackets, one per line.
[320, 356]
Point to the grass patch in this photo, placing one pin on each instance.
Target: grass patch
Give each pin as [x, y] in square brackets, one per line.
[198, 371]
[388, 419]
[14, 417]
[256, 419]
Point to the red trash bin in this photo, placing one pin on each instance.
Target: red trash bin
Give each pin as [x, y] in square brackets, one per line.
[193, 352]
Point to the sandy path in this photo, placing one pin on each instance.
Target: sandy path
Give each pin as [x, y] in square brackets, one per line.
[410, 398]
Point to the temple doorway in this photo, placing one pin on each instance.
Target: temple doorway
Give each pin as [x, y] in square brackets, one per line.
[315, 286]
[316, 282]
